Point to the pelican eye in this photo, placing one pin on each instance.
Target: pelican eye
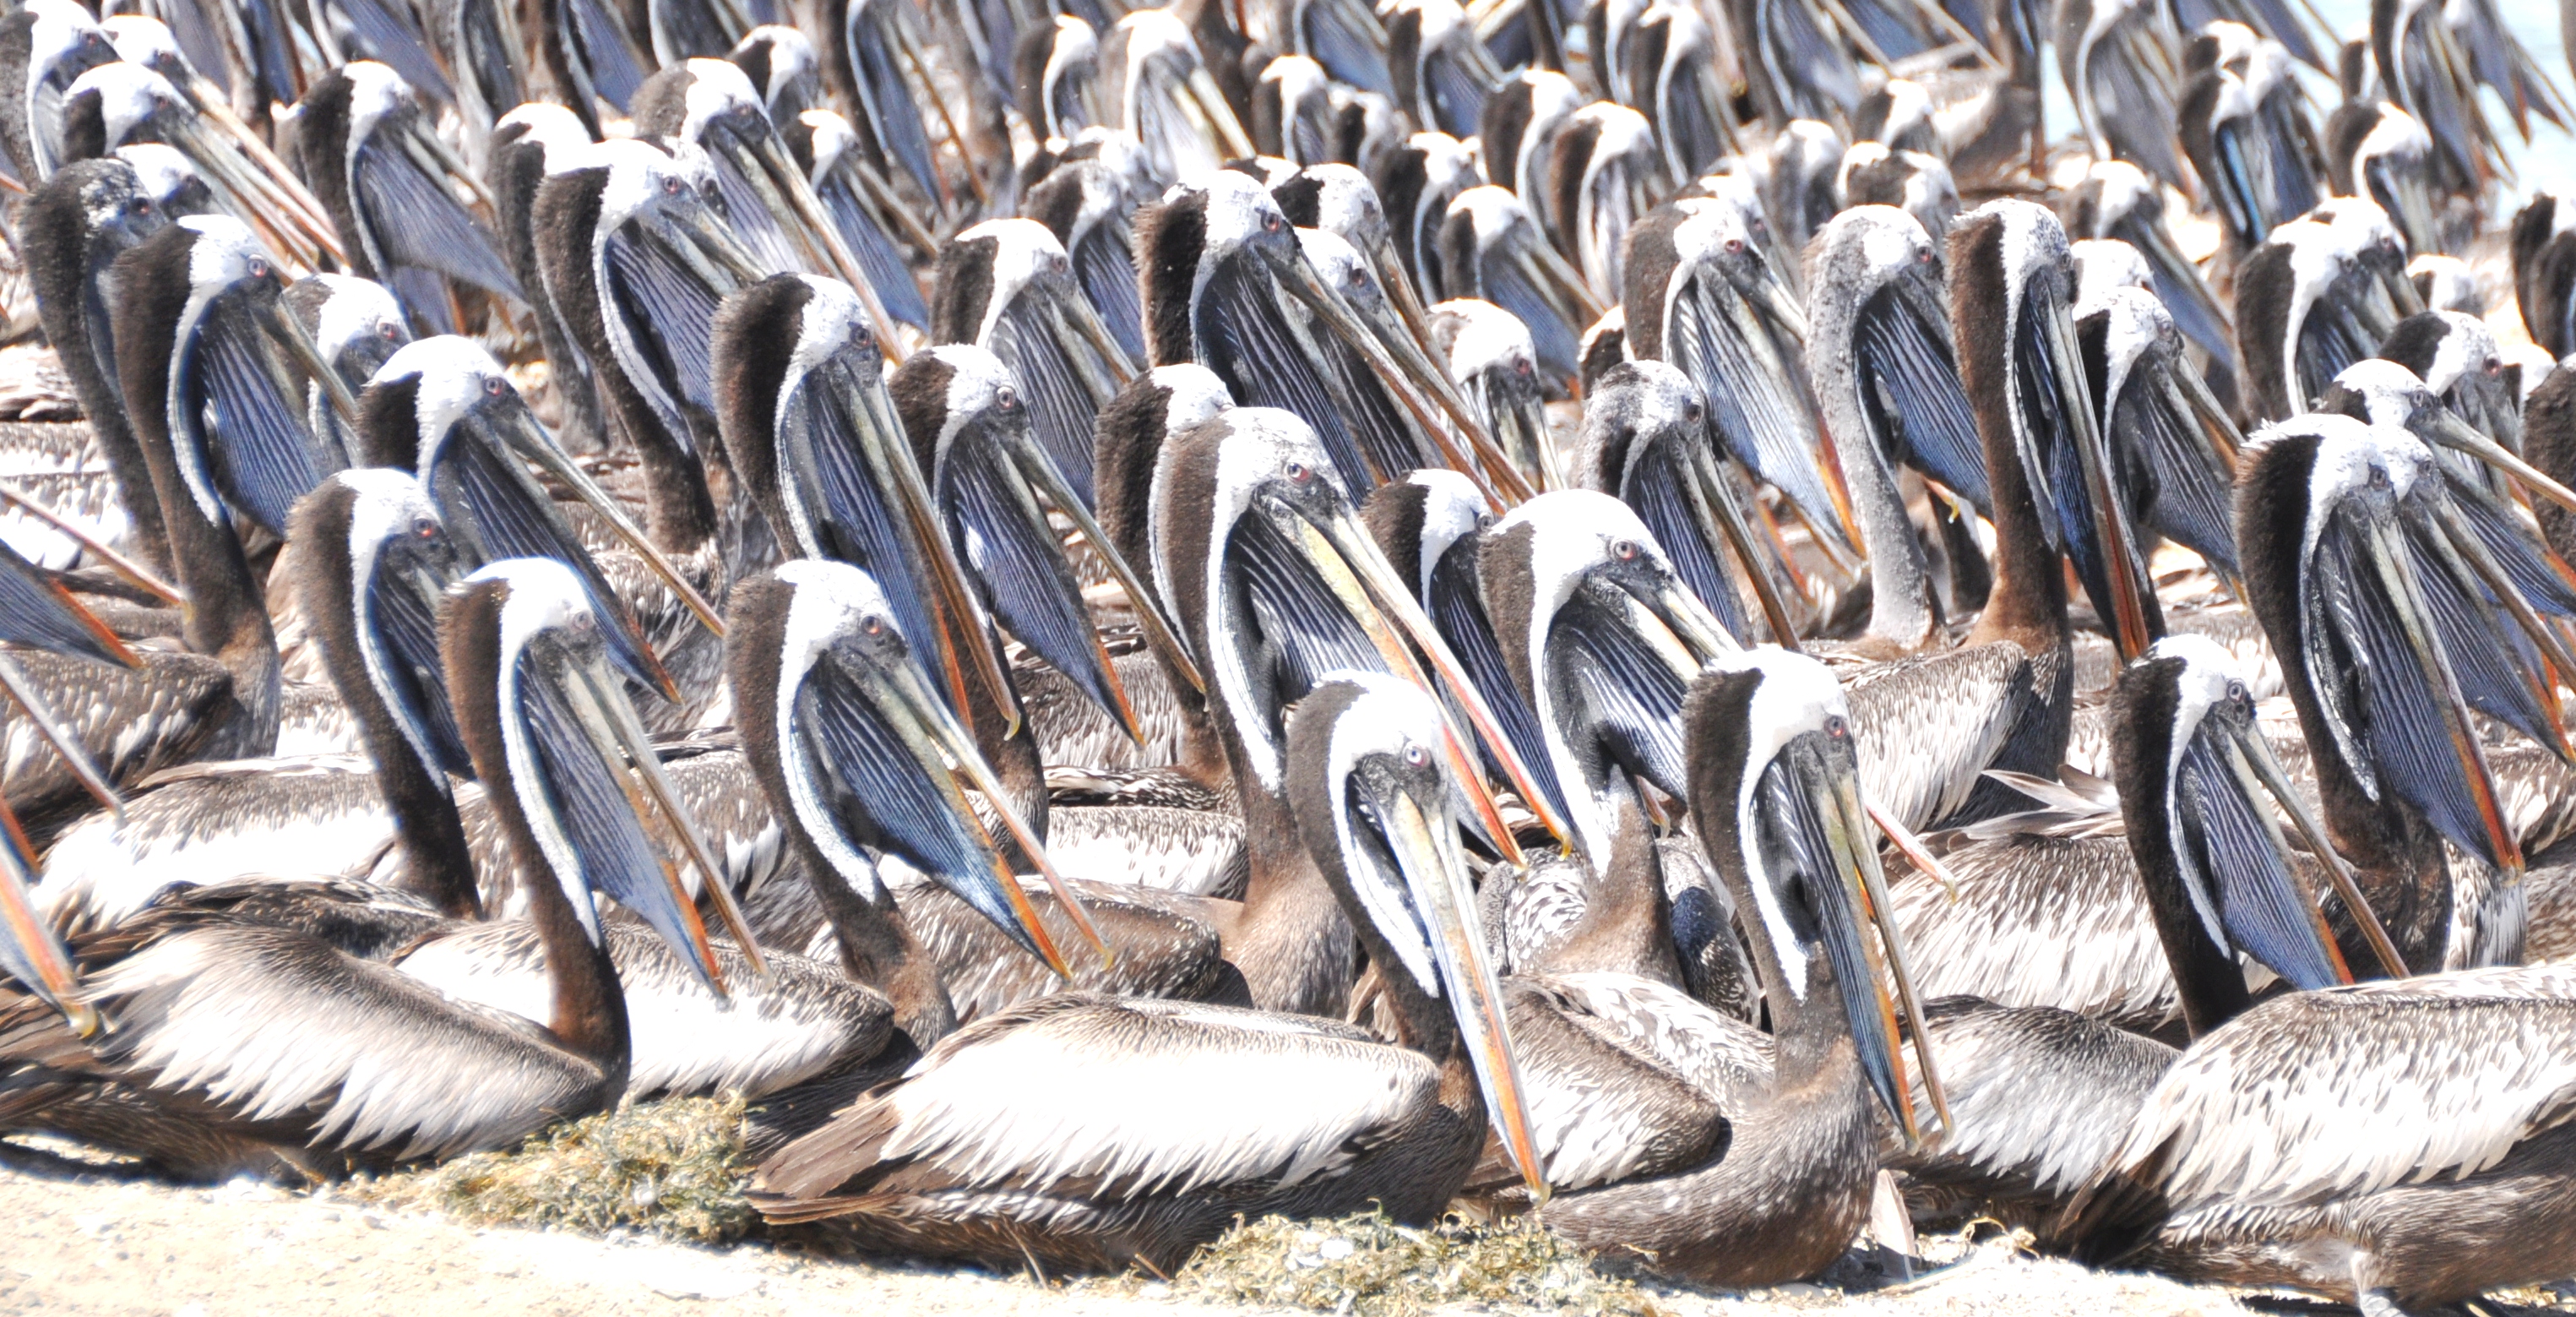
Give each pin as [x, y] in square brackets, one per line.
[258, 268]
[873, 625]
[1006, 400]
[389, 331]
[1624, 550]
[671, 187]
[2494, 367]
[142, 206]
[1416, 756]
[1923, 258]
[492, 385]
[1272, 223]
[1837, 728]
[2237, 694]
[1298, 472]
[1523, 369]
[1735, 244]
[425, 528]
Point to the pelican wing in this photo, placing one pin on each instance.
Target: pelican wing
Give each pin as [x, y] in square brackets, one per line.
[668, 311]
[400, 627]
[2000, 1064]
[1912, 382]
[799, 1021]
[2190, 498]
[262, 453]
[1628, 1078]
[417, 222]
[1132, 1097]
[1929, 725]
[275, 1027]
[615, 71]
[2040, 921]
[2317, 1096]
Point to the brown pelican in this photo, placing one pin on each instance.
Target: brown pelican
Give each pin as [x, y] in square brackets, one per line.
[1916, 183]
[2246, 135]
[2543, 242]
[2115, 59]
[1518, 134]
[1673, 54]
[2034, 417]
[1292, 111]
[1008, 286]
[1414, 187]
[2116, 200]
[637, 265]
[2173, 907]
[1170, 1121]
[2456, 356]
[2381, 152]
[1492, 249]
[585, 48]
[783, 67]
[1798, 176]
[1441, 71]
[44, 47]
[1701, 296]
[862, 209]
[2320, 294]
[1601, 171]
[1646, 442]
[2170, 441]
[1086, 204]
[384, 176]
[1887, 389]
[527, 144]
[115, 105]
[1775, 793]
[1494, 361]
[1053, 67]
[71, 230]
[355, 324]
[1154, 78]
[280, 1036]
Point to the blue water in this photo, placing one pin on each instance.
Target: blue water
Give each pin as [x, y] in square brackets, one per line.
[2549, 159]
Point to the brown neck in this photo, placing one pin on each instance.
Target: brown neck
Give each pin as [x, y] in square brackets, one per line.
[1626, 923]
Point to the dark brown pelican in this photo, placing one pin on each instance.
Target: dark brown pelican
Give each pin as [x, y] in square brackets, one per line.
[1775, 793]
[71, 230]
[1252, 1112]
[2320, 294]
[384, 176]
[2117, 200]
[527, 144]
[1601, 172]
[253, 1028]
[1053, 67]
[44, 47]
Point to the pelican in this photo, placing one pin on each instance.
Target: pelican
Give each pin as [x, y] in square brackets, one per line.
[1345, 37]
[1494, 361]
[1799, 173]
[2117, 66]
[1053, 68]
[70, 232]
[1086, 204]
[383, 176]
[253, 1028]
[1701, 296]
[2456, 356]
[1493, 250]
[2116, 200]
[2167, 435]
[1887, 387]
[1260, 1112]
[2544, 270]
[2381, 152]
[526, 145]
[44, 48]
[1008, 286]
[1646, 442]
[1916, 183]
[1774, 790]
[117, 105]
[1292, 111]
[355, 324]
[1155, 78]
[1415, 185]
[1518, 133]
[2319, 295]
[586, 49]
[2246, 136]
[861, 208]
[781, 65]
[1441, 71]
[1675, 80]
[1601, 171]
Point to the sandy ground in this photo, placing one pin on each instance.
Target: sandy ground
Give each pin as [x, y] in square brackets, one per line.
[107, 1248]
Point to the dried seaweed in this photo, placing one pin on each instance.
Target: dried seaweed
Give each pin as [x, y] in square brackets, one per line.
[674, 1168]
[1369, 1266]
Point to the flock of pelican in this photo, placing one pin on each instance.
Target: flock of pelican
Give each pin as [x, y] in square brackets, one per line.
[1132, 619]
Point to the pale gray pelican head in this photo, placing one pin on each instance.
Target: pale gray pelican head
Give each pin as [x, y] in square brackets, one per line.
[782, 66]
[1645, 441]
[1495, 363]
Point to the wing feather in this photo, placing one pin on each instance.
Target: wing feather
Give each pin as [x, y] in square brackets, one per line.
[418, 223]
[1929, 725]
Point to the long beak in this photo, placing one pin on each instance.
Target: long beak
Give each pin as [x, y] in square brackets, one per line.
[1857, 822]
[1842, 897]
[961, 751]
[29, 951]
[1344, 538]
[588, 690]
[1212, 106]
[131, 570]
[1407, 377]
[64, 740]
[437, 159]
[638, 744]
[1033, 464]
[1714, 500]
[38, 612]
[2452, 432]
[1435, 870]
[2119, 563]
[943, 836]
[2420, 633]
[965, 639]
[531, 444]
[2471, 553]
[260, 196]
[289, 331]
[2255, 759]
